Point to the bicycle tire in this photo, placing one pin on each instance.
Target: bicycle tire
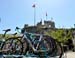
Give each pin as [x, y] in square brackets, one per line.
[59, 49]
[56, 47]
[8, 42]
[49, 44]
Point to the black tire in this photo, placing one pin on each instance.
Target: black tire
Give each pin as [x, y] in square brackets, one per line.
[61, 50]
[47, 43]
[13, 44]
[58, 51]
[55, 48]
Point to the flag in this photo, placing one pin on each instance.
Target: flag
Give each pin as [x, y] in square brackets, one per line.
[33, 5]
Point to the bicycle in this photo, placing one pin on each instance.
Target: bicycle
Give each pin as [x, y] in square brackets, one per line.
[41, 45]
[2, 39]
[53, 44]
[11, 44]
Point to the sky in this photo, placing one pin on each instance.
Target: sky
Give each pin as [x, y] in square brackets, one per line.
[19, 12]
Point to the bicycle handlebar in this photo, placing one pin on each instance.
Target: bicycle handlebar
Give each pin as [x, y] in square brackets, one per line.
[6, 32]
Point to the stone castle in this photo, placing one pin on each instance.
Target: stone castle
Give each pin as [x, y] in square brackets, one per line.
[39, 26]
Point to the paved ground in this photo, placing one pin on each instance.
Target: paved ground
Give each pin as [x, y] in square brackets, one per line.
[69, 54]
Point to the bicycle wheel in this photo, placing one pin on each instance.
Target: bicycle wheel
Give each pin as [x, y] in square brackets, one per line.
[46, 46]
[25, 45]
[58, 51]
[12, 46]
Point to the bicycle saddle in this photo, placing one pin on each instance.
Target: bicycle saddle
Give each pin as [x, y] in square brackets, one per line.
[7, 30]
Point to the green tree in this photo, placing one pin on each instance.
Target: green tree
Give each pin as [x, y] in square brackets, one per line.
[62, 35]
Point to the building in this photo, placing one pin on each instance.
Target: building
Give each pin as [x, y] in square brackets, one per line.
[40, 27]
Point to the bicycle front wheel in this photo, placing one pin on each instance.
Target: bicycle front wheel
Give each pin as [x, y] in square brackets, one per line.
[12, 46]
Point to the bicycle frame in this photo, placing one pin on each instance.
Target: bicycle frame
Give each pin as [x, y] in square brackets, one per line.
[34, 49]
[30, 43]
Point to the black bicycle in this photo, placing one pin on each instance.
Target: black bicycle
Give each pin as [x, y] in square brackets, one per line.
[11, 45]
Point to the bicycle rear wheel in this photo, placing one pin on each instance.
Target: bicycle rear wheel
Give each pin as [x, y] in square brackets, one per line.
[58, 51]
[51, 47]
[46, 46]
[12, 46]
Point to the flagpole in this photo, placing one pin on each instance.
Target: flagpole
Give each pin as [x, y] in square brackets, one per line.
[46, 15]
[34, 6]
[34, 15]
